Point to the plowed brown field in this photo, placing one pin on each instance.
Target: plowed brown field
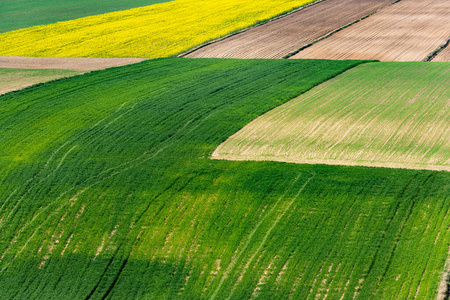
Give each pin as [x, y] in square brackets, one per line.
[64, 63]
[406, 31]
[444, 55]
[285, 35]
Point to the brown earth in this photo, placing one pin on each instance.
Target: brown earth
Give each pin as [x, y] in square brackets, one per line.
[64, 63]
[406, 31]
[444, 55]
[285, 35]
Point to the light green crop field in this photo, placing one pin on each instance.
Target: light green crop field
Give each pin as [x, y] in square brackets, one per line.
[107, 191]
[15, 79]
[378, 114]
[17, 14]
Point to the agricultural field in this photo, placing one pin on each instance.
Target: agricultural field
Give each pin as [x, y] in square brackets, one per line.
[378, 114]
[16, 79]
[283, 36]
[108, 192]
[19, 14]
[406, 31]
[154, 31]
[64, 63]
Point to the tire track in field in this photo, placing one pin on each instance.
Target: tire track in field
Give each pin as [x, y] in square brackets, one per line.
[51, 158]
[114, 172]
[252, 233]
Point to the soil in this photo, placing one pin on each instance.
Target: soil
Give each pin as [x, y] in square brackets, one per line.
[285, 35]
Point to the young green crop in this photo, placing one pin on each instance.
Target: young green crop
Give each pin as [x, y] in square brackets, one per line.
[107, 191]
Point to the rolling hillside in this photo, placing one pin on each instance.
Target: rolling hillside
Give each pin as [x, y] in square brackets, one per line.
[109, 193]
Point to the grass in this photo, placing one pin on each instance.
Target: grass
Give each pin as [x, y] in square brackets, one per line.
[15, 79]
[108, 192]
[159, 30]
[20, 14]
[379, 114]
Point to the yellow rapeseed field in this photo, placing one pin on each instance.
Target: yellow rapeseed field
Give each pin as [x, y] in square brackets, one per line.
[159, 30]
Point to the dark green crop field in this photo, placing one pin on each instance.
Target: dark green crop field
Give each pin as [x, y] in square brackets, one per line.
[107, 191]
[17, 14]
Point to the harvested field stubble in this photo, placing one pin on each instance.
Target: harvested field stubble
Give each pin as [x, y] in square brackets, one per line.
[158, 30]
[406, 31]
[280, 37]
[379, 114]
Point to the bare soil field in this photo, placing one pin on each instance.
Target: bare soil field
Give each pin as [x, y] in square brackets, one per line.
[285, 35]
[64, 63]
[444, 55]
[406, 31]
[16, 79]
[379, 114]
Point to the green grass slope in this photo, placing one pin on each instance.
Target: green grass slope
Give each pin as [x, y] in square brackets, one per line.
[17, 14]
[108, 192]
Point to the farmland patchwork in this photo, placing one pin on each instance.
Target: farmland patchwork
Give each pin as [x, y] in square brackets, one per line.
[108, 192]
[379, 114]
[159, 30]
[405, 31]
[283, 36]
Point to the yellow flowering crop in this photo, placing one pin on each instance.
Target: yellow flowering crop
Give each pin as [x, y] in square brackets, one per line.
[154, 31]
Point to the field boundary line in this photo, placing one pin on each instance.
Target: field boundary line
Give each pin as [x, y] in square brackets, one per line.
[438, 50]
[257, 24]
[289, 55]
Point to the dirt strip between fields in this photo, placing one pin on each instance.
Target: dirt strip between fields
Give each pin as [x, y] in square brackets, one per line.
[285, 35]
[407, 31]
[64, 63]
